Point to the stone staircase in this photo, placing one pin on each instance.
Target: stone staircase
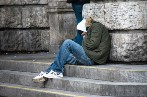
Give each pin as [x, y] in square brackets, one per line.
[110, 80]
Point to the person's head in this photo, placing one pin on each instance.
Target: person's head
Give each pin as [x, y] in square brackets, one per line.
[84, 23]
[89, 21]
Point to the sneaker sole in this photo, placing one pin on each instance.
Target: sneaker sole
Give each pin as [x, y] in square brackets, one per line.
[40, 80]
[51, 77]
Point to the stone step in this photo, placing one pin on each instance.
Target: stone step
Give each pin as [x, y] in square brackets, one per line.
[90, 86]
[13, 90]
[107, 72]
[110, 72]
[26, 62]
[23, 65]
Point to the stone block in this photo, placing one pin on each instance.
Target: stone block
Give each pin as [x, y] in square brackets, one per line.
[34, 1]
[10, 2]
[33, 40]
[95, 11]
[23, 17]
[22, 2]
[129, 46]
[10, 17]
[100, 1]
[118, 15]
[59, 6]
[126, 15]
[24, 40]
[34, 16]
[11, 40]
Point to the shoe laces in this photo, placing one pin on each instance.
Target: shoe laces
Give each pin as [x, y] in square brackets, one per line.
[41, 74]
[54, 73]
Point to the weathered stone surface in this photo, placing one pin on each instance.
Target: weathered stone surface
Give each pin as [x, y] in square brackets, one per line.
[18, 18]
[59, 6]
[61, 27]
[33, 39]
[34, 1]
[24, 40]
[98, 1]
[127, 15]
[119, 15]
[45, 40]
[95, 11]
[10, 17]
[61, 22]
[129, 46]
[20, 2]
[11, 40]
[23, 17]
[10, 2]
[34, 17]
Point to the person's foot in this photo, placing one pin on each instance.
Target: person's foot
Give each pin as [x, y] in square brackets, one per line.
[53, 74]
[39, 78]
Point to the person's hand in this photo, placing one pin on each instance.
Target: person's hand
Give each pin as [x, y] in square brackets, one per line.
[83, 33]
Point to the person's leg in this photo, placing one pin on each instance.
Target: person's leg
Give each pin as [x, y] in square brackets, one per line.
[70, 52]
[78, 7]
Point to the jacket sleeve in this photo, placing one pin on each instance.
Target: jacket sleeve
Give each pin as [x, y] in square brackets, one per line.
[93, 38]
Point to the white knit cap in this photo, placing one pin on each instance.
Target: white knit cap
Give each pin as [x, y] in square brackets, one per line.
[82, 25]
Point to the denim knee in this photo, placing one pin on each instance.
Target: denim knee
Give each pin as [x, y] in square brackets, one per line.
[67, 41]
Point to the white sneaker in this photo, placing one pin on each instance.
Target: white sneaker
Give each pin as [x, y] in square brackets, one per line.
[39, 78]
[53, 74]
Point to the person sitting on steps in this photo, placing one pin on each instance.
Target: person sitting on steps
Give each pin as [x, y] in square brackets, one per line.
[94, 50]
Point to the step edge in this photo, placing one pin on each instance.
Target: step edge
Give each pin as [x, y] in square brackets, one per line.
[79, 66]
[49, 91]
[83, 80]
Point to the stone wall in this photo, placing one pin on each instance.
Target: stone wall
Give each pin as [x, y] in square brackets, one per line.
[127, 24]
[24, 25]
[35, 25]
[42, 25]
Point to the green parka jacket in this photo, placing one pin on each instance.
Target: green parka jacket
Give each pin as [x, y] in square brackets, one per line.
[97, 43]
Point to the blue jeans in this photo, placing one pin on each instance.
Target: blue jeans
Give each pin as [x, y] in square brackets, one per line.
[78, 7]
[69, 53]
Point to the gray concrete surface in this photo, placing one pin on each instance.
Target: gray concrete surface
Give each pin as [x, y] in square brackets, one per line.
[105, 80]
[108, 72]
[90, 86]
[12, 90]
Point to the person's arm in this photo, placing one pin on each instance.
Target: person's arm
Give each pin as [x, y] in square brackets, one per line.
[94, 37]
